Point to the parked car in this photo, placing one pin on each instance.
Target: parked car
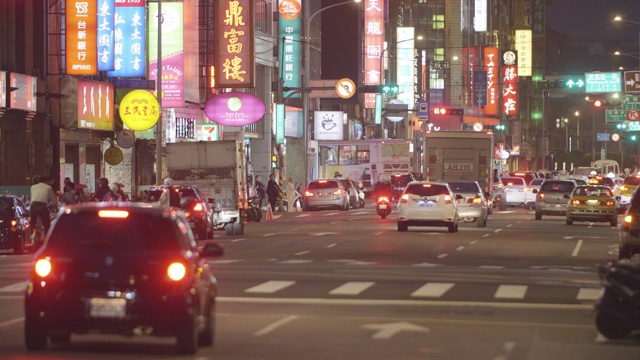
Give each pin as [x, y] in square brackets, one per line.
[125, 269]
[199, 208]
[426, 203]
[630, 230]
[592, 203]
[326, 193]
[553, 197]
[15, 232]
[473, 205]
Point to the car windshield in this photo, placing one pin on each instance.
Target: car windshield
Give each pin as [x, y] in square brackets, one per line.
[558, 186]
[426, 190]
[632, 180]
[462, 187]
[323, 185]
[6, 208]
[188, 192]
[136, 231]
[593, 191]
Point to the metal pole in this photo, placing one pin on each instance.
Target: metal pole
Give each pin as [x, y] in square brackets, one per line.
[593, 135]
[159, 97]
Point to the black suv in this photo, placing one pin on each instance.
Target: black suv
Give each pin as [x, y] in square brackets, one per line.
[198, 208]
[630, 229]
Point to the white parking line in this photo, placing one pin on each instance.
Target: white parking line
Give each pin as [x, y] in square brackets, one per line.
[460, 248]
[303, 215]
[442, 256]
[271, 327]
[303, 252]
[236, 240]
[351, 288]
[17, 287]
[269, 234]
[486, 235]
[432, 290]
[577, 248]
[511, 292]
[497, 231]
[510, 225]
[332, 245]
[269, 287]
[473, 242]
[330, 214]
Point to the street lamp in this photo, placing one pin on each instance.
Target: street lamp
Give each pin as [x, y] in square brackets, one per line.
[577, 114]
[621, 19]
[305, 83]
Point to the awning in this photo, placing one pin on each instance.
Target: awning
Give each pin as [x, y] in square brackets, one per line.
[486, 121]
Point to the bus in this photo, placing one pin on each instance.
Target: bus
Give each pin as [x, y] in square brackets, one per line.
[363, 161]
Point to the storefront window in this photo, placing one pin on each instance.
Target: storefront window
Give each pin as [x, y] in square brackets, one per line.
[329, 155]
[347, 155]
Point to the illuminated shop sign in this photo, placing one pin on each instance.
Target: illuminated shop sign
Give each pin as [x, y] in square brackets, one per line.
[172, 52]
[130, 39]
[3, 89]
[524, 41]
[106, 27]
[95, 105]
[289, 48]
[139, 110]
[491, 59]
[234, 109]
[373, 47]
[509, 83]
[24, 97]
[405, 65]
[234, 59]
[81, 37]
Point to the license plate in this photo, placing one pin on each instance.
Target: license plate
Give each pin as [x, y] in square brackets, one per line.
[593, 202]
[382, 206]
[107, 308]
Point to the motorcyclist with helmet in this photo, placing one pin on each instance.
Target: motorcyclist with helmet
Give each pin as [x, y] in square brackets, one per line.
[383, 187]
[170, 196]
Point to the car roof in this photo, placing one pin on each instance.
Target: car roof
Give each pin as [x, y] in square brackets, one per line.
[429, 182]
[463, 181]
[137, 207]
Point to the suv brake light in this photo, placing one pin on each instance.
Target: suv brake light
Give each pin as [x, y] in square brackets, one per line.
[176, 271]
[43, 267]
[198, 207]
[337, 192]
[448, 199]
[309, 194]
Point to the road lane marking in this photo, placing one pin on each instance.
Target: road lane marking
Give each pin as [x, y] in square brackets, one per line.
[236, 240]
[17, 287]
[303, 252]
[510, 225]
[351, 288]
[473, 242]
[442, 256]
[332, 245]
[276, 217]
[303, 215]
[491, 267]
[10, 323]
[330, 214]
[497, 231]
[379, 233]
[460, 248]
[486, 235]
[269, 287]
[577, 248]
[588, 294]
[294, 262]
[271, 327]
[511, 292]
[360, 213]
[224, 261]
[269, 234]
[432, 290]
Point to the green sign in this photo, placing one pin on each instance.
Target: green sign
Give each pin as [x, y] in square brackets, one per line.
[378, 117]
[630, 102]
[616, 115]
[603, 82]
[280, 115]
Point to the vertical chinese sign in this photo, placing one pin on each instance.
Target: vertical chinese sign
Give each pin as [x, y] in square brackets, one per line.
[405, 65]
[82, 37]
[491, 59]
[106, 27]
[172, 52]
[234, 47]
[373, 47]
[130, 39]
[290, 42]
[524, 41]
[510, 83]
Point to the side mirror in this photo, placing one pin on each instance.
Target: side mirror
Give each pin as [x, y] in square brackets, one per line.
[211, 249]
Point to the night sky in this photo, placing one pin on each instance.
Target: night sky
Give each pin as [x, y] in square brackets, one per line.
[579, 19]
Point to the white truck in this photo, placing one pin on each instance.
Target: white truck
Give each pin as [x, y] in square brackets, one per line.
[217, 168]
[460, 155]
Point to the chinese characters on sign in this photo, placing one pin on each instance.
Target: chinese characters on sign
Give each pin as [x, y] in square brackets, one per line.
[139, 110]
[373, 46]
[24, 97]
[234, 59]
[106, 11]
[524, 41]
[130, 40]
[490, 65]
[510, 83]
[290, 42]
[82, 37]
[600, 82]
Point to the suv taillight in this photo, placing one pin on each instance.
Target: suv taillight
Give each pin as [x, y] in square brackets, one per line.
[448, 199]
[43, 267]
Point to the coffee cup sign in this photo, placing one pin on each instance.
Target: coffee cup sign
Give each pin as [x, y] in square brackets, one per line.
[139, 110]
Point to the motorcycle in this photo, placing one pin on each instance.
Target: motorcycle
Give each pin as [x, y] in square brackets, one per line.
[383, 206]
[254, 211]
[618, 308]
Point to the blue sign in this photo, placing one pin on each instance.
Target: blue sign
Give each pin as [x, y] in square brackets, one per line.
[130, 42]
[280, 116]
[423, 110]
[106, 27]
[602, 137]
[480, 88]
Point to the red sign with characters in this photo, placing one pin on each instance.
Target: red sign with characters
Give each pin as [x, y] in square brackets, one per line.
[491, 66]
[509, 83]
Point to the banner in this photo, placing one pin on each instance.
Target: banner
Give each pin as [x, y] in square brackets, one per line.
[106, 27]
[130, 40]
[234, 48]
[290, 41]
[172, 72]
[81, 37]
[491, 59]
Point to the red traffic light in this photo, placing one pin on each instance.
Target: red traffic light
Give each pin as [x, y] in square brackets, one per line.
[597, 103]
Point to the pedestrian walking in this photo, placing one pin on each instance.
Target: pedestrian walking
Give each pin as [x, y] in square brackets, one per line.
[273, 189]
[291, 195]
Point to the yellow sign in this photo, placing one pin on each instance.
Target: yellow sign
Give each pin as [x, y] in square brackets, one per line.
[139, 110]
[113, 156]
[345, 88]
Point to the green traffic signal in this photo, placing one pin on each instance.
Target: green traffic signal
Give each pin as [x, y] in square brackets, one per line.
[390, 89]
[500, 127]
[634, 137]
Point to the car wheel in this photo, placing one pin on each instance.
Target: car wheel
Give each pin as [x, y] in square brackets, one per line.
[481, 221]
[19, 248]
[206, 336]
[61, 338]
[614, 222]
[451, 227]
[237, 229]
[35, 337]
[502, 206]
[611, 326]
[538, 215]
[569, 221]
[229, 229]
[187, 339]
[402, 226]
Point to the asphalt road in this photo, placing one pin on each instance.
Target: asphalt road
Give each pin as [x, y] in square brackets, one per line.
[347, 285]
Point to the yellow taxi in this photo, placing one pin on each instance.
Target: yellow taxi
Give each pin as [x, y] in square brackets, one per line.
[594, 203]
[627, 188]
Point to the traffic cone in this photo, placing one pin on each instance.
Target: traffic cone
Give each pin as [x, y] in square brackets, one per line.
[269, 216]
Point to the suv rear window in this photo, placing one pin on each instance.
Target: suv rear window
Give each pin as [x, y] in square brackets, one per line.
[557, 186]
[324, 185]
[426, 190]
[87, 230]
[464, 187]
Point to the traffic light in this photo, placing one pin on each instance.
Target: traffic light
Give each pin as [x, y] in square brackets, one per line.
[598, 103]
[500, 127]
[274, 161]
[390, 89]
[447, 110]
[633, 137]
[387, 89]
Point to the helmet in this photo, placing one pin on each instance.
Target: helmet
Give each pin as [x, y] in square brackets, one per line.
[114, 187]
[168, 182]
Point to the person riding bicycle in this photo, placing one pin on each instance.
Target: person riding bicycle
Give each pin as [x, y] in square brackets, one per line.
[41, 196]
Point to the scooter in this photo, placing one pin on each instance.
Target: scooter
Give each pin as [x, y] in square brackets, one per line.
[254, 211]
[383, 206]
[618, 308]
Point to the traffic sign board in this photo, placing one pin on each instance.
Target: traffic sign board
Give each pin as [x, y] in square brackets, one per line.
[345, 88]
[602, 137]
[631, 81]
[631, 102]
[615, 115]
[599, 82]
[632, 115]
